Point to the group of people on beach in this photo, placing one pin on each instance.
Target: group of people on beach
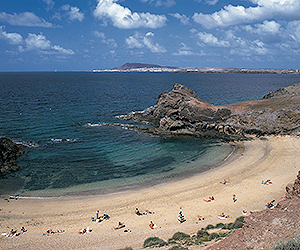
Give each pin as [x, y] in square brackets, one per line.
[15, 232]
[101, 217]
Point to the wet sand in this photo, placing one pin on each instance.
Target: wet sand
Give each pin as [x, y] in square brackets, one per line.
[276, 158]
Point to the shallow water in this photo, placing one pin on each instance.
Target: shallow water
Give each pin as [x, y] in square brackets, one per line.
[56, 115]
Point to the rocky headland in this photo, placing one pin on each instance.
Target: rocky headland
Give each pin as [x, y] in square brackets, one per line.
[180, 113]
[9, 153]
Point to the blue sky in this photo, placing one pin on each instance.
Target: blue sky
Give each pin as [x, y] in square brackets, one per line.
[47, 35]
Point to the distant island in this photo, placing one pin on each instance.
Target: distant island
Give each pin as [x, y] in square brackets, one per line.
[143, 67]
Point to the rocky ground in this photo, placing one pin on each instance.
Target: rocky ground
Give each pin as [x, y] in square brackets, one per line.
[264, 229]
[181, 112]
[9, 153]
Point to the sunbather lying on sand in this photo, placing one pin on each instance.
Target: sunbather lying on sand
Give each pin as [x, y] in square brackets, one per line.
[211, 198]
[121, 225]
[271, 204]
[138, 212]
[83, 231]
[152, 225]
[223, 216]
[48, 232]
[267, 182]
[200, 218]
[224, 182]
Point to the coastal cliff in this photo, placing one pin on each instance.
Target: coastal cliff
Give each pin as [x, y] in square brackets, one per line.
[9, 153]
[181, 112]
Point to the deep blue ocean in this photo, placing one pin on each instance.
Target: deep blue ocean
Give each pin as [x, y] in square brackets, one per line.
[57, 116]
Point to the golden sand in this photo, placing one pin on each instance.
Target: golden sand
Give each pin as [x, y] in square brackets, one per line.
[276, 159]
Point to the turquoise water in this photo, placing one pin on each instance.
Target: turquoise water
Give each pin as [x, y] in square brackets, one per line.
[57, 114]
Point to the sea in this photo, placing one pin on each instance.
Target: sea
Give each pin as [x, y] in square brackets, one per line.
[60, 117]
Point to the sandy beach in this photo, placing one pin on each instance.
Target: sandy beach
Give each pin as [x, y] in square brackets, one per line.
[273, 158]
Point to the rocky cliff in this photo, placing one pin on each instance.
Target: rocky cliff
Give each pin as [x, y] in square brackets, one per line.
[9, 153]
[293, 189]
[181, 112]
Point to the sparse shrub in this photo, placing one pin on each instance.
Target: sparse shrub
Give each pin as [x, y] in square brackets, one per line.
[220, 225]
[241, 218]
[209, 227]
[178, 248]
[213, 236]
[202, 233]
[180, 236]
[238, 223]
[154, 242]
[126, 248]
[292, 244]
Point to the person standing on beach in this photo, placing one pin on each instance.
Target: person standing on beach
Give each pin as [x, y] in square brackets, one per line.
[97, 214]
[234, 198]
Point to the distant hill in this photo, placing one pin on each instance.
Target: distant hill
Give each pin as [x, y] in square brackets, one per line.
[129, 66]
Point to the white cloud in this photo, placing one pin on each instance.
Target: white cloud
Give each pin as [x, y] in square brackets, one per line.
[73, 12]
[139, 41]
[158, 3]
[267, 27]
[182, 18]
[212, 2]
[37, 42]
[28, 19]
[184, 50]
[109, 41]
[265, 9]
[123, 18]
[133, 42]
[209, 2]
[211, 40]
[183, 53]
[41, 44]
[62, 50]
[11, 38]
[293, 29]
[50, 4]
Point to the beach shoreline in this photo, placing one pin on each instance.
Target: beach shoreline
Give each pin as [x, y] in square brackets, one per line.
[274, 158]
[131, 184]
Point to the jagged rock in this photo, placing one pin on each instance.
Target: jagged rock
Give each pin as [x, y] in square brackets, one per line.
[181, 112]
[293, 189]
[9, 153]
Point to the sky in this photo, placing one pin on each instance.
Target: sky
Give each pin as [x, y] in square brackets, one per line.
[48, 35]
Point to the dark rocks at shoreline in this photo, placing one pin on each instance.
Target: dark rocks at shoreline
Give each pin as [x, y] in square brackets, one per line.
[181, 113]
[9, 153]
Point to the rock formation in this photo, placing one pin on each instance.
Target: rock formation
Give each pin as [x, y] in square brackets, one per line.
[293, 189]
[181, 112]
[9, 153]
